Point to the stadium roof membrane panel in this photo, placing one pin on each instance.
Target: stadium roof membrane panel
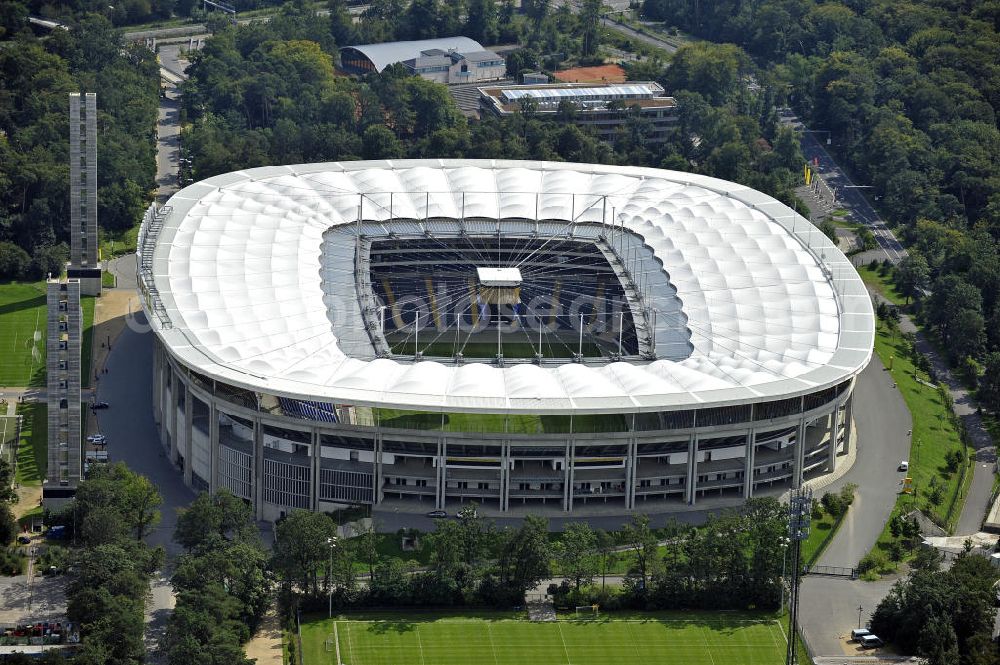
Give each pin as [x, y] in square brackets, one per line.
[773, 307]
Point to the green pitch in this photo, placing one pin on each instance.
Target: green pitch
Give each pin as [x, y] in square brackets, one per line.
[22, 334]
[600, 641]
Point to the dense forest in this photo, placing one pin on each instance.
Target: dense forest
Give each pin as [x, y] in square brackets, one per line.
[908, 92]
[269, 94]
[36, 77]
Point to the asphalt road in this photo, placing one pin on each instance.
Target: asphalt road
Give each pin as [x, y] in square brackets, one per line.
[828, 610]
[883, 420]
[847, 194]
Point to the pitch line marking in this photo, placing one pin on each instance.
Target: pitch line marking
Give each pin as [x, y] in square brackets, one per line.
[493, 649]
[420, 645]
[350, 643]
[563, 640]
[708, 647]
[633, 642]
[783, 635]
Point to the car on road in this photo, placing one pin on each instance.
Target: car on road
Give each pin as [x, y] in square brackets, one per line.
[904, 466]
[99, 405]
[870, 641]
[858, 633]
[437, 514]
[97, 439]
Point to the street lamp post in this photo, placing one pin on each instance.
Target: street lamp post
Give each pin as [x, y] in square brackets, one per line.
[331, 543]
[860, 609]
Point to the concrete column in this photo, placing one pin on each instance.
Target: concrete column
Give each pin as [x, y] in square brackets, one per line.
[690, 487]
[800, 454]
[377, 476]
[439, 476]
[749, 462]
[631, 475]
[188, 434]
[832, 449]
[213, 447]
[175, 392]
[566, 481]
[848, 423]
[314, 473]
[568, 475]
[505, 476]
[157, 384]
[258, 468]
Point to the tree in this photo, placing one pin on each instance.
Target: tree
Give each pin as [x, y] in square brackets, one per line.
[606, 550]
[301, 549]
[590, 27]
[575, 553]
[523, 561]
[214, 519]
[988, 390]
[14, 261]
[378, 142]
[912, 275]
[481, 21]
[641, 540]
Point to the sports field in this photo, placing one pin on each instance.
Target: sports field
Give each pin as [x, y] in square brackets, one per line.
[22, 334]
[600, 641]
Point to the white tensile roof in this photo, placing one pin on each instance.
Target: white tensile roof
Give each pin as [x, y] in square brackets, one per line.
[389, 53]
[773, 308]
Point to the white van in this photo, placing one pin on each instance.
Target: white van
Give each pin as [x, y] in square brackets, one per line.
[871, 641]
[858, 633]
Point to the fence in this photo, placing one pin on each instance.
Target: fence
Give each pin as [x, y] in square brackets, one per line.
[831, 571]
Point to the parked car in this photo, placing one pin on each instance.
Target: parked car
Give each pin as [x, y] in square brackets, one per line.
[904, 466]
[97, 439]
[24, 540]
[99, 405]
[436, 514]
[871, 641]
[858, 633]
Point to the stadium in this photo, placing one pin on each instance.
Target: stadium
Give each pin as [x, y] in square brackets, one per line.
[531, 336]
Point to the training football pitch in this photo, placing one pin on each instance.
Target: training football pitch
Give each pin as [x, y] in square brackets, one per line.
[599, 641]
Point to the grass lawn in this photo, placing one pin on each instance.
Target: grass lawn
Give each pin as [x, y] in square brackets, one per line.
[32, 453]
[933, 432]
[883, 284]
[8, 436]
[820, 533]
[22, 334]
[502, 639]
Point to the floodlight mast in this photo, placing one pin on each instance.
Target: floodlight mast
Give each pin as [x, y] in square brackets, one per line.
[799, 513]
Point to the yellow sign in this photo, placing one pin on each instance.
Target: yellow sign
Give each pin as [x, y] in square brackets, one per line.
[907, 485]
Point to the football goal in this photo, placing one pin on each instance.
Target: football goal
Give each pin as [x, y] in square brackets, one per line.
[587, 611]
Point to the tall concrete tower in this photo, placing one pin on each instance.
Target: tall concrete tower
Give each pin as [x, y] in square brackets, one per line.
[63, 344]
[83, 192]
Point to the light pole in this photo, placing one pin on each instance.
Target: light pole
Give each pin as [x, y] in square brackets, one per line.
[331, 543]
[799, 513]
[860, 608]
[784, 558]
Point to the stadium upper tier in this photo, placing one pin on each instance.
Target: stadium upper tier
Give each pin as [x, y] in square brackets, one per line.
[260, 279]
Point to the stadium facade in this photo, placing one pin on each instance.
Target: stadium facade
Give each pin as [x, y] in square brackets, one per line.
[424, 333]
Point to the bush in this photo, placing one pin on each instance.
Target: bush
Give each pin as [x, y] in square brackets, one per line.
[11, 562]
[833, 504]
[847, 493]
[875, 561]
[14, 261]
[935, 494]
[953, 459]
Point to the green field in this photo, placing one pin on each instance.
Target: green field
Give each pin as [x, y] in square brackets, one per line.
[22, 334]
[487, 422]
[32, 453]
[8, 437]
[415, 640]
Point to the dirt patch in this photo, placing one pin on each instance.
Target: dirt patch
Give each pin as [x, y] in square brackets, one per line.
[602, 74]
[29, 497]
[265, 645]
